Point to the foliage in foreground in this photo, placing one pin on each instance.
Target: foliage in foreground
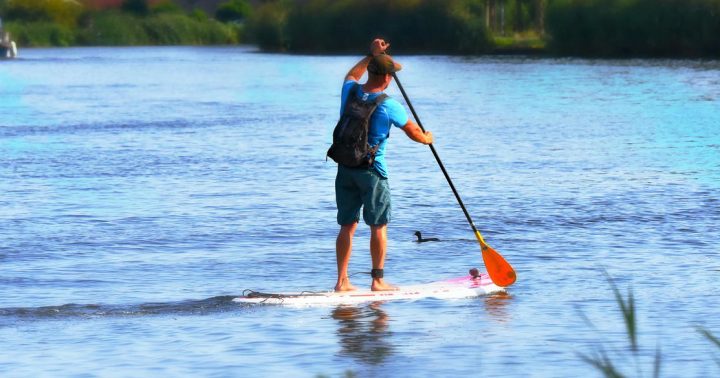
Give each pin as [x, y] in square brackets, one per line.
[607, 363]
[712, 338]
[602, 360]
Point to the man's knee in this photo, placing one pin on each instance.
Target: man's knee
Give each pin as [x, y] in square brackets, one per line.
[348, 228]
[378, 228]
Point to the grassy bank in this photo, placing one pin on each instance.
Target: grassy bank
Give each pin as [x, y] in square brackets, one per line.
[599, 28]
[430, 26]
[603, 28]
[118, 29]
[110, 28]
[663, 28]
[528, 43]
[68, 23]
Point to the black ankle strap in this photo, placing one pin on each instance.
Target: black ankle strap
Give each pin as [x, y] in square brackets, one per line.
[376, 273]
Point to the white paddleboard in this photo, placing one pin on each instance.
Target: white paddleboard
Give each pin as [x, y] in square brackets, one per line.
[461, 287]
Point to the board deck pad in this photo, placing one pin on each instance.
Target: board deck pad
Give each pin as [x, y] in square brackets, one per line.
[456, 288]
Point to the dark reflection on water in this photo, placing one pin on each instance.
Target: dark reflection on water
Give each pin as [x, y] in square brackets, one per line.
[364, 332]
[72, 310]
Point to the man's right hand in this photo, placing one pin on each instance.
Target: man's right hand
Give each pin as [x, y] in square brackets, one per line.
[428, 137]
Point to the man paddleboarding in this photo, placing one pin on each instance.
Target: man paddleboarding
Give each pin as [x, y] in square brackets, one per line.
[366, 115]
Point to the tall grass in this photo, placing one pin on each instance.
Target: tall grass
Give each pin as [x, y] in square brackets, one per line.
[627, 309]
[66, 23]
[607, 363]
[433, 26]
[123, 29]
[712, 338]
[634, 27]
[178, 29]
[112, 28]
[602, 360]
[267, 25]
[41, 34]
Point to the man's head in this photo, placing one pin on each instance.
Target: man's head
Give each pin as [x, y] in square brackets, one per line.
[383, 64]
[380, 69]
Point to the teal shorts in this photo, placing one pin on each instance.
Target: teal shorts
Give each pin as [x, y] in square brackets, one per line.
[361, 187]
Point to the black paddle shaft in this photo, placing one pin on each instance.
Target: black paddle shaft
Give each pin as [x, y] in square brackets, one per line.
[437, 157]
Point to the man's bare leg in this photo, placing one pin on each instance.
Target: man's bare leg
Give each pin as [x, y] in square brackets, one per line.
[343, 250]
[378, 247]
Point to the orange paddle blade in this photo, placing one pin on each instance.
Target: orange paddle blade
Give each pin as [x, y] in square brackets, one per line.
[499, 270]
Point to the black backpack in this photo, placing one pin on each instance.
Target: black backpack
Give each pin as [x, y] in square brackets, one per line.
[350, 138]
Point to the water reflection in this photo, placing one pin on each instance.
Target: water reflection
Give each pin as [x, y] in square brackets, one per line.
[496, 306]
[363, 332]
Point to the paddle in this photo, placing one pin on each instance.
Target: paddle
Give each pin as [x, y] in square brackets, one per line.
[500, 271]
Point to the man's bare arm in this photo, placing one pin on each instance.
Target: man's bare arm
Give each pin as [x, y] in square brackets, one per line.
[414, 132]
[358, 70]
[377, 47]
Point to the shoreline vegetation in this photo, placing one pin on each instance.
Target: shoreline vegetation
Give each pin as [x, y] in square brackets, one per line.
[63, 23]
[588, 28]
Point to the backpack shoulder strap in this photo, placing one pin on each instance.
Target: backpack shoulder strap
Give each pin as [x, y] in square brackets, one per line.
[355, 91]
[352, 96]
[379, 99]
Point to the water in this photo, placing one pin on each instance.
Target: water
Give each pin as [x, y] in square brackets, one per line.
[142, 188]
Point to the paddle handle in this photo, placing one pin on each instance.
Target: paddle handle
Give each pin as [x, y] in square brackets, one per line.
[442, 167]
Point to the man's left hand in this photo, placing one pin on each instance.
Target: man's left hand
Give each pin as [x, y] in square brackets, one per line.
[378, 46]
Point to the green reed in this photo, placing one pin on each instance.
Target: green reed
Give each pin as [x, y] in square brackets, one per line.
[712, 338]
[602, 360]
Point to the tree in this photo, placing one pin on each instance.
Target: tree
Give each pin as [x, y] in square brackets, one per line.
[233, 10]
[540, 16]
[138, 7]
[62, 12]
[519, 16]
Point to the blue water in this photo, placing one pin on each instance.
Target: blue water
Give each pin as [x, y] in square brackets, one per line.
[142, 188]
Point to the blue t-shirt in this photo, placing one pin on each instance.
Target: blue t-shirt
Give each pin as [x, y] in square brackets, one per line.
[390, 112]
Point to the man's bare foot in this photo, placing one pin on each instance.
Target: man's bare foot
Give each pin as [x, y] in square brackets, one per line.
[344, 285]
[379, 284]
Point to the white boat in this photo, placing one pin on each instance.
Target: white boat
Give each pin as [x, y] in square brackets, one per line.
[8, 48]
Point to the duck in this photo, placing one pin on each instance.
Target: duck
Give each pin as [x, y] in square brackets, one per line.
[422, 240]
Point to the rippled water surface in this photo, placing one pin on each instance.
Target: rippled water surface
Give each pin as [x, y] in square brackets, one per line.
[142, 188]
